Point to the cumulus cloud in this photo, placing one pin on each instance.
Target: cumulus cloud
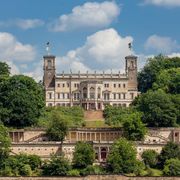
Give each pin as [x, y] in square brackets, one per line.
[161, 44]
[13, 50]
[88, 15]
[103, 50]
[168, 3]
[37, 72]
[22, 23]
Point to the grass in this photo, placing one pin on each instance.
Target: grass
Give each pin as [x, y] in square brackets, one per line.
[96, 124]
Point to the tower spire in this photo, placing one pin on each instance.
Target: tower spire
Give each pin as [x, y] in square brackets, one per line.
[48, 48]
[130, 47]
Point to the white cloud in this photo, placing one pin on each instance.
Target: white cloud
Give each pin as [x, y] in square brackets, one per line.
[13, 50]
[103, 50]
[174, 55]
[168, 3]
[22, 23]
[161, 44]
[29, 23]
[37, 72]
[14, 68]
[88, 15]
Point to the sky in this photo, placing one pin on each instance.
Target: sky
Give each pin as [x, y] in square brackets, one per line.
[86, 35]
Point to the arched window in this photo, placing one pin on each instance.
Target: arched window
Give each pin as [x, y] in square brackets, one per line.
[84, 92]
[103, 153]
[49, 63]
[92, 93]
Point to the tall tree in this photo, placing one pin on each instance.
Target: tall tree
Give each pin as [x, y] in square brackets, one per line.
[4, 142]
[122, 157]
[4, 69]
[23, 101]
[134, 128]
[58, 127]
[158, 109]
[84, 155]
[149, 73]
[170, 150]
[169, 81]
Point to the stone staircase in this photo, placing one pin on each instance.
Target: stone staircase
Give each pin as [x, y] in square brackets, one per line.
[93, 115]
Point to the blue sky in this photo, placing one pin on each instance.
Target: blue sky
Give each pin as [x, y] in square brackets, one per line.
[86, 35]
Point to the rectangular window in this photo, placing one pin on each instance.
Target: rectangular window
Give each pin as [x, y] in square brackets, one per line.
[58, 94]
[99, 96]
[124, 85]
[63, 85]
[119, 85]
[58, 85]
[124, 96]
[50, 95]
[114, 85]
[119, 96]
[63, 95]
[132, 95]
[75, 85]
[68, 96]
[74, 95]
[114, 96]
[67, 84]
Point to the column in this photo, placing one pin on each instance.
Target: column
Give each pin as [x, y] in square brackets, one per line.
[99, 154]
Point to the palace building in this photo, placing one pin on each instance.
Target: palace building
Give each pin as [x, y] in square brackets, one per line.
[92, 91]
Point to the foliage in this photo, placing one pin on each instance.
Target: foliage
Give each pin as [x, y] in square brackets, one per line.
[26, 170]
[176, 100]
[150, 158]
[115, 116]
[22, 164]
[58, 127]
[151, 70]
[92, 170]
[73, 172]
[4, 143]
[84, 155]
[170, 150]
[172, 167]
[4, 69]
[57, 166]
[168, 80]
[158, 109]
[23, 101]
[134, 129]
[74, 115]
[122, 157]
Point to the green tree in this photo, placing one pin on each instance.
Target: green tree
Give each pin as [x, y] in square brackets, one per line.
[57, 166]
[4, 143]
[122, 157]
[4, 69]
[150, 158]
[84, 155]
[58, 127]
[170, 150]
[134, 128]
[116, 116]
[158, 109]
[151, 70]
[168, 80]
[172, 167]
[23, 101]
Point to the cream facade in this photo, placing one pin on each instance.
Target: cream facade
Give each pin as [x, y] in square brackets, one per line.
[91, 91]
[36, 141]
